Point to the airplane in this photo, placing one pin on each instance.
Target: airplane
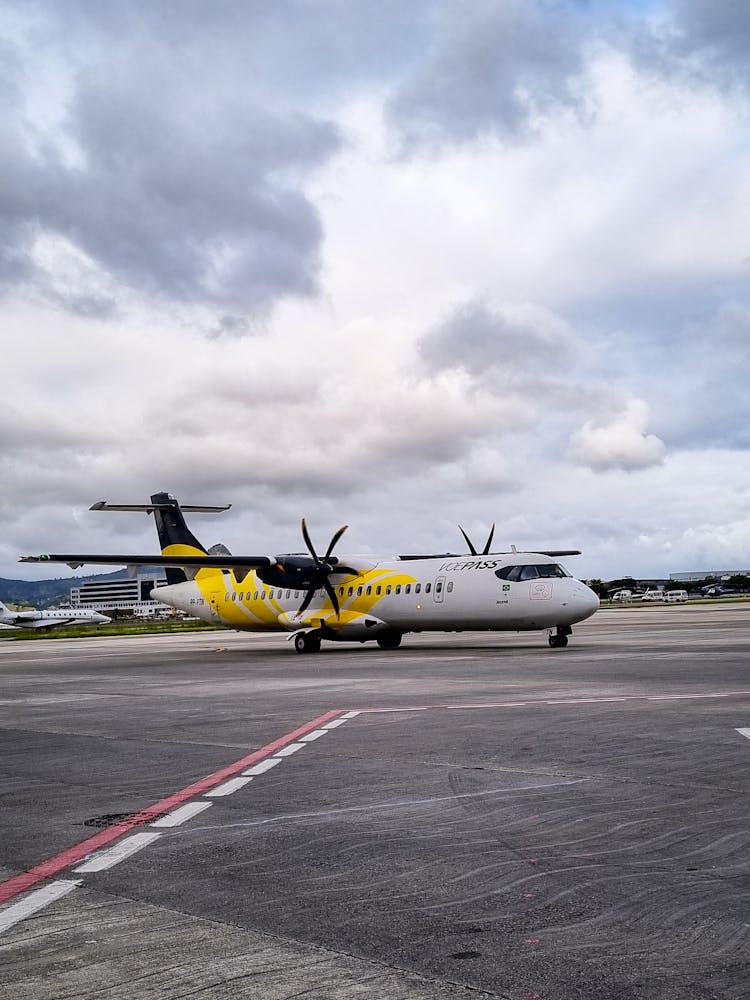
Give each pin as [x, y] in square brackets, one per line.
[354, 598]
[51, 618]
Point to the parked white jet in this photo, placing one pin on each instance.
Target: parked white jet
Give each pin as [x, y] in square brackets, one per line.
[354, 598]
[51, 618]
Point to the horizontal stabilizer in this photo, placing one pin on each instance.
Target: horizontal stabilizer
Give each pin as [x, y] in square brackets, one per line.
[149, 508]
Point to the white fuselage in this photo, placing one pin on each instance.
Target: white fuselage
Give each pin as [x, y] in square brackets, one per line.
[51, 617]
[508, 592]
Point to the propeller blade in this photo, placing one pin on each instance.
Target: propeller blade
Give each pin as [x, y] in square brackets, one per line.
[333, 541]
[308, 541]
[468, 541]
[487, 544]
[306, 602]
[332, 594]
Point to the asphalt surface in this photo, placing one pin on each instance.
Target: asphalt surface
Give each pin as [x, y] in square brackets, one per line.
[499, 818]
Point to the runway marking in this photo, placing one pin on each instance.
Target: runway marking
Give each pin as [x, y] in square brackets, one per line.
[314, 735]
[35, 901]
[531, 703]
[103, 860]
[334, 724]
[744, 732]
[228, 787]
[261, 768]
[288, 751]
[72, 855]
[179, 816]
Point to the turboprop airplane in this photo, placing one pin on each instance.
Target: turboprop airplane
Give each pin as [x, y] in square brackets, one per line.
[50, 618]
[353, 598]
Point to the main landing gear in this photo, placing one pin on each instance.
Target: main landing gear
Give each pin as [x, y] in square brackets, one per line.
[559, 638]
[389, 640]
[307, 642]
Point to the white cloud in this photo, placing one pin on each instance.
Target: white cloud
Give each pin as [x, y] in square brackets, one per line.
[623, 443]
[479, 323]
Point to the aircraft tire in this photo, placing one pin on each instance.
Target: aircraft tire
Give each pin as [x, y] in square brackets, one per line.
[307, 642]
[558, 641]
[389, 640]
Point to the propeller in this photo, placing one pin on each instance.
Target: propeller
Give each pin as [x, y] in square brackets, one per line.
[487, 544]
[314, 575]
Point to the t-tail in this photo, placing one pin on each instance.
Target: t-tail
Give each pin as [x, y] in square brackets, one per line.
[175, 538]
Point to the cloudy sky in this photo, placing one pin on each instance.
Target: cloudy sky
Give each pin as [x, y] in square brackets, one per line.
[397, 265]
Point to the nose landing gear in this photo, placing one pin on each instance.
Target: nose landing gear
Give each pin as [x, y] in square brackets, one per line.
[559, 638]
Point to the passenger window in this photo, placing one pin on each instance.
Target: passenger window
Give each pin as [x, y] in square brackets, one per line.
[288, 594]
[407, 588]
[359, 591]
[350, 591]
[398, 588]
[369, 590]
[388, 589]
[378, 591]
[255, 596]
[450, 586]
[427, 588]
[417, 588]
[439, 587]
[341, 591]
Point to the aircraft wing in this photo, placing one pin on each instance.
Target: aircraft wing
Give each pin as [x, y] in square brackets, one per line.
[75, 560]
[558, 552]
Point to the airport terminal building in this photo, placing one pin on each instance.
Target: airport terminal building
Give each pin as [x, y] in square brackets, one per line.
[707, 574]
[123, 597]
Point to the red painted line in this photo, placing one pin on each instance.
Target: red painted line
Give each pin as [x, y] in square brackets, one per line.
[52, 866]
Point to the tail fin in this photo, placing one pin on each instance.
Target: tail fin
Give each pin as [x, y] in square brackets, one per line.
[175, 538]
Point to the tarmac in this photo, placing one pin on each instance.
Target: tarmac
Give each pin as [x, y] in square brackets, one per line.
[212, 815]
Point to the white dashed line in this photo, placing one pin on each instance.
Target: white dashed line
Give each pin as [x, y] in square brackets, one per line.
[233, 785]
[314, 735]
[35, 901]
[262, 767]
[182, 814]
[744, 732]
[102, 860]
[334, 723]
[288, 751]
[349, 715]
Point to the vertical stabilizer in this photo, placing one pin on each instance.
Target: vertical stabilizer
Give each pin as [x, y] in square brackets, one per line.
[175, 538]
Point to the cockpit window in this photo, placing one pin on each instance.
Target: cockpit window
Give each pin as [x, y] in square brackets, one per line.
[530, 572]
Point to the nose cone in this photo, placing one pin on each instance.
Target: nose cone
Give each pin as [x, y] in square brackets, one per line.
[584, 601]
[102, 619]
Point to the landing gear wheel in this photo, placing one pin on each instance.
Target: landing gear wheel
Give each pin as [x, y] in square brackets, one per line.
[389, 640]
[307, 642]
[557, 641]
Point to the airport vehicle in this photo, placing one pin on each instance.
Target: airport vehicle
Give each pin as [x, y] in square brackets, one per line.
[51, 618]
[356, 598]
[622, 595]
[653, 595]
[675, 596]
